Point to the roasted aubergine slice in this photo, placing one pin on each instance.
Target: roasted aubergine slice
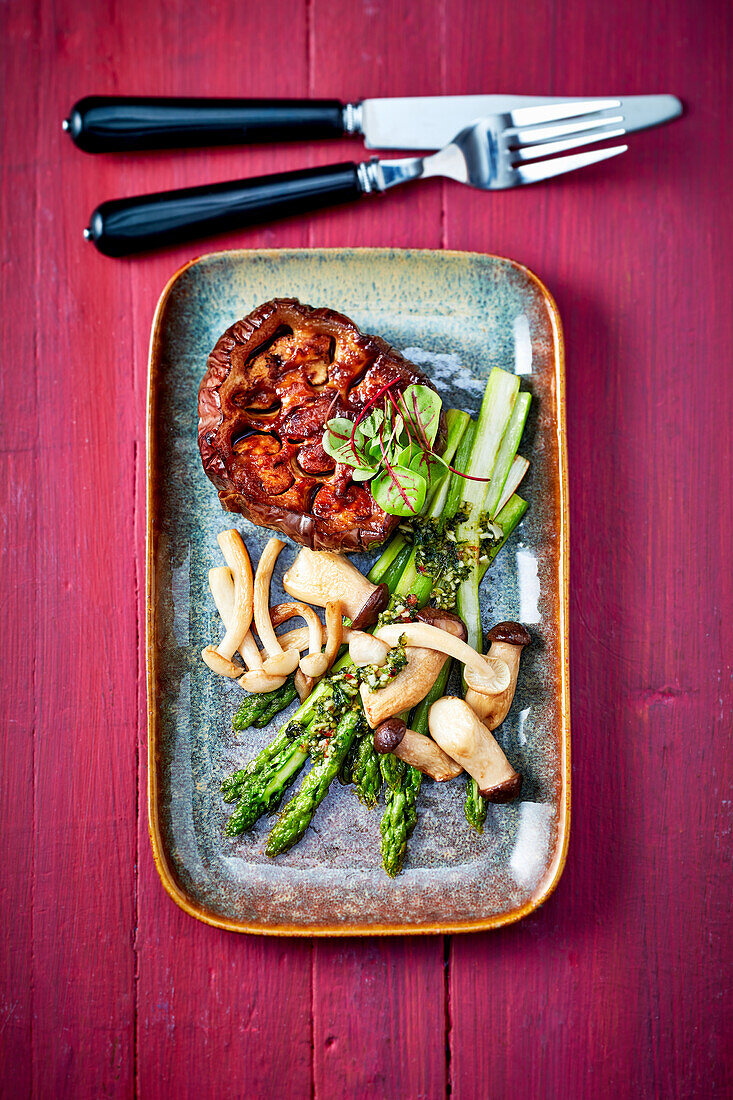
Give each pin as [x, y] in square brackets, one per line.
[271, 383]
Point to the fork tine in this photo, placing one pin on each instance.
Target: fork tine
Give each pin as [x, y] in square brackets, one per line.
[525, 135]
[556, 112]
[549, 148]
[546, 169]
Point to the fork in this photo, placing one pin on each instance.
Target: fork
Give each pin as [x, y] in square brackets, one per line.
[492, 153]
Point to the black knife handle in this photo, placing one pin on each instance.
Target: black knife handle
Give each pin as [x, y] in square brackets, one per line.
[123, 226]
[120, 124]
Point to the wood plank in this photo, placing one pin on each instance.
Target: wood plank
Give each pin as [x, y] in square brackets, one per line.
[84, 606]
[378, 1005]
[18, 473]
[614, 989]
[217, 1014]
[379, 1018]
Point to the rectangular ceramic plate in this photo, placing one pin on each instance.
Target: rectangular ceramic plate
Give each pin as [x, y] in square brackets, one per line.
[457, 315]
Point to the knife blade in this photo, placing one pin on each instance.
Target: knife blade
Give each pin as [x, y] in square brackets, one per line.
[119, 124]
[430, 122]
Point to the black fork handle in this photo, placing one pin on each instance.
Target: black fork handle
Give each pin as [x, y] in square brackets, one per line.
[124, 226]
[120, 124]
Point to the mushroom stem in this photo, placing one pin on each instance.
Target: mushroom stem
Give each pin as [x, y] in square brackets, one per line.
[299, 638]
[278, 662]
[334, 631]
[221, 583]
[314, 665]
[461, 734]
[492, 674]
[428, 757]
[507, 640]
[237, 558]
[303, 684]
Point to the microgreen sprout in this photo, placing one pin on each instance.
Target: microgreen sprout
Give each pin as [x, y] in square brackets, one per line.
[392, 444]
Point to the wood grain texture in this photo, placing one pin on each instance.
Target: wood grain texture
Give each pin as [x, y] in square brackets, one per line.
[618, 987]
[623, 986]
[18, 473]
[398, 986]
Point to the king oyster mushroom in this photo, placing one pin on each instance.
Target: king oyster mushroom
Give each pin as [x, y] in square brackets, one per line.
[414, 681]
[464, 737]
[416, 749]
[506, 642]
[427, 645]
[321, 576]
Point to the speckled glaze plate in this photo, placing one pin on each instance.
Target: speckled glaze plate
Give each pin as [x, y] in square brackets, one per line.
[457, 315]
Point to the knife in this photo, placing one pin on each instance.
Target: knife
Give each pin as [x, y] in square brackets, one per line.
[120, 124]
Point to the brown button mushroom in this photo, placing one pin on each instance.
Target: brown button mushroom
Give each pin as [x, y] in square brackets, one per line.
[462, 735]
[506, 642]
[388, 735]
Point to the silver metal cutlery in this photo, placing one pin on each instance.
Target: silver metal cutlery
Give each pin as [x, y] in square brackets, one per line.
[528, 143]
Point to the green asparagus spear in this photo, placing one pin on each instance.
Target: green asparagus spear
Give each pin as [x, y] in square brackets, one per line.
[366, 774]
[474, 807]
[255, 705]
[392, 769]
[346, 771]
[264, 758]
[298, 814]
[400, 814]
[264, 794]
[285, 697]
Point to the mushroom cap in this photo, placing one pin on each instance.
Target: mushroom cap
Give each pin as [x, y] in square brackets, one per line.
[388, 735]
[509, 632]
[368, 614]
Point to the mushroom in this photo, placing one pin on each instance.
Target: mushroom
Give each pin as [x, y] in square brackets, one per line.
[278, 662]
[428, 757]
[461, 733]
[415, 749]
[299, 638]
[256, 679]
[414, 681]
[219, 658]
[303, 684]
[334, 631]
[314, 665]
[491, 674]
[507, 640]
[320, 576]
[388, 735]
[365, 649]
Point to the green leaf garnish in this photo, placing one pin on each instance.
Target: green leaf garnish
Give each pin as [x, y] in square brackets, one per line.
[345, 445]
[400, 492]
[392, 444]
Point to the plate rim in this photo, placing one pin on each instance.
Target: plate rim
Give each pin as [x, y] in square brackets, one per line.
[553, 873]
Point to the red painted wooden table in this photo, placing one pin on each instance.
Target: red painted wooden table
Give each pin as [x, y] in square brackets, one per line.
[618, 986]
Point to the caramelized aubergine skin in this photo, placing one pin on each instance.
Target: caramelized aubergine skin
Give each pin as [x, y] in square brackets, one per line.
[271, 383]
